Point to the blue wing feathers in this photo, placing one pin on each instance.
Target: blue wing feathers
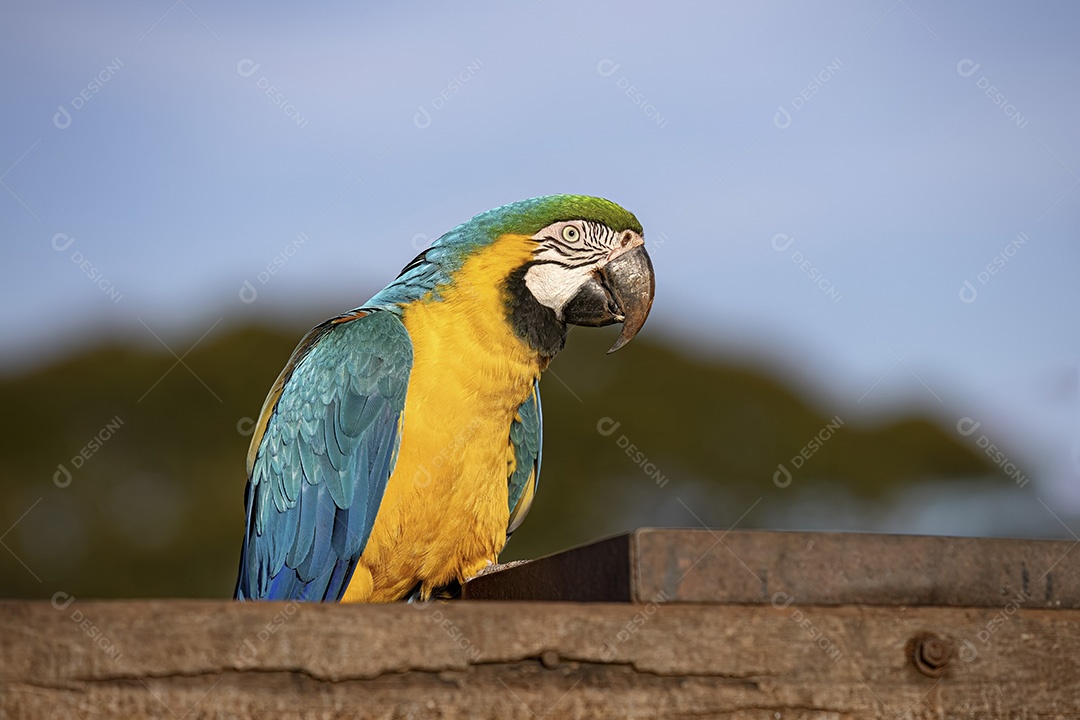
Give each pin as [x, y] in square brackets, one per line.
[293, 480]
[525, 436]
[339, 578]
[353, 415]
[305, 530]
[324, 459]
[315, 563]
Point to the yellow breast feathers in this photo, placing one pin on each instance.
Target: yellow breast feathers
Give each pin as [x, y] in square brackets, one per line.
[444, 515]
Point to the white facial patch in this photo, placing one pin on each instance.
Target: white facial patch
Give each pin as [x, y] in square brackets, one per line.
[554, 285]
[568, 258]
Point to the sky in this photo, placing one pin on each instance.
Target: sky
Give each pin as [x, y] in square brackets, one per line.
[877, 200]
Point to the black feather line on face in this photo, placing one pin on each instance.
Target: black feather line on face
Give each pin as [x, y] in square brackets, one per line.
[562, 249]
[534, 323]
[595, 242]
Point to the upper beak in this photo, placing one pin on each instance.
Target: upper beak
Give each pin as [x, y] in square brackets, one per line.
[621, 291]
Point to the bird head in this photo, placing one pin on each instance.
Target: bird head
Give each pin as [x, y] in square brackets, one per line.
[588, 266]
[558, 260]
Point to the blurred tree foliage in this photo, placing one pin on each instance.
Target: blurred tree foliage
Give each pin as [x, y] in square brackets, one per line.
[155, 451]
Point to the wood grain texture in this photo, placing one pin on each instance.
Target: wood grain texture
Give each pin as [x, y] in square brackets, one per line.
[202, 659]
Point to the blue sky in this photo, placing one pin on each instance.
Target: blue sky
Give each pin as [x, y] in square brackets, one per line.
[817, 183]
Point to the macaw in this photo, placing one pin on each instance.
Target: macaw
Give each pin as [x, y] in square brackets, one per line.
[400, 447]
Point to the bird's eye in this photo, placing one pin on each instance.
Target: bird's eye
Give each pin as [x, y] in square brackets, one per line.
[571, 234]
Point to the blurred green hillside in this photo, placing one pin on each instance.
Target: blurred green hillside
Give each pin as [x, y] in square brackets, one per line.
[123, 469]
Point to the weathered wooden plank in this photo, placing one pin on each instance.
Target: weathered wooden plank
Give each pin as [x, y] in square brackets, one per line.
[814, 568]
[526, 660]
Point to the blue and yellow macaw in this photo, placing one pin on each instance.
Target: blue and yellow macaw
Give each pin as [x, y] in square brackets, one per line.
[400, 446]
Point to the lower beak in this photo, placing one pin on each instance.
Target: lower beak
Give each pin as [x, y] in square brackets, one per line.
[621, 291]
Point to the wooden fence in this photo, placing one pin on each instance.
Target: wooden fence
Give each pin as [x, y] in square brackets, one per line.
[656, 624]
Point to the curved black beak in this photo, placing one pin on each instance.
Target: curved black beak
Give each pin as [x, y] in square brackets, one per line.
[621, 291]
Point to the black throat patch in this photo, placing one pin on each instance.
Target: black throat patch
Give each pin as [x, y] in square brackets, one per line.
[534, 323]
